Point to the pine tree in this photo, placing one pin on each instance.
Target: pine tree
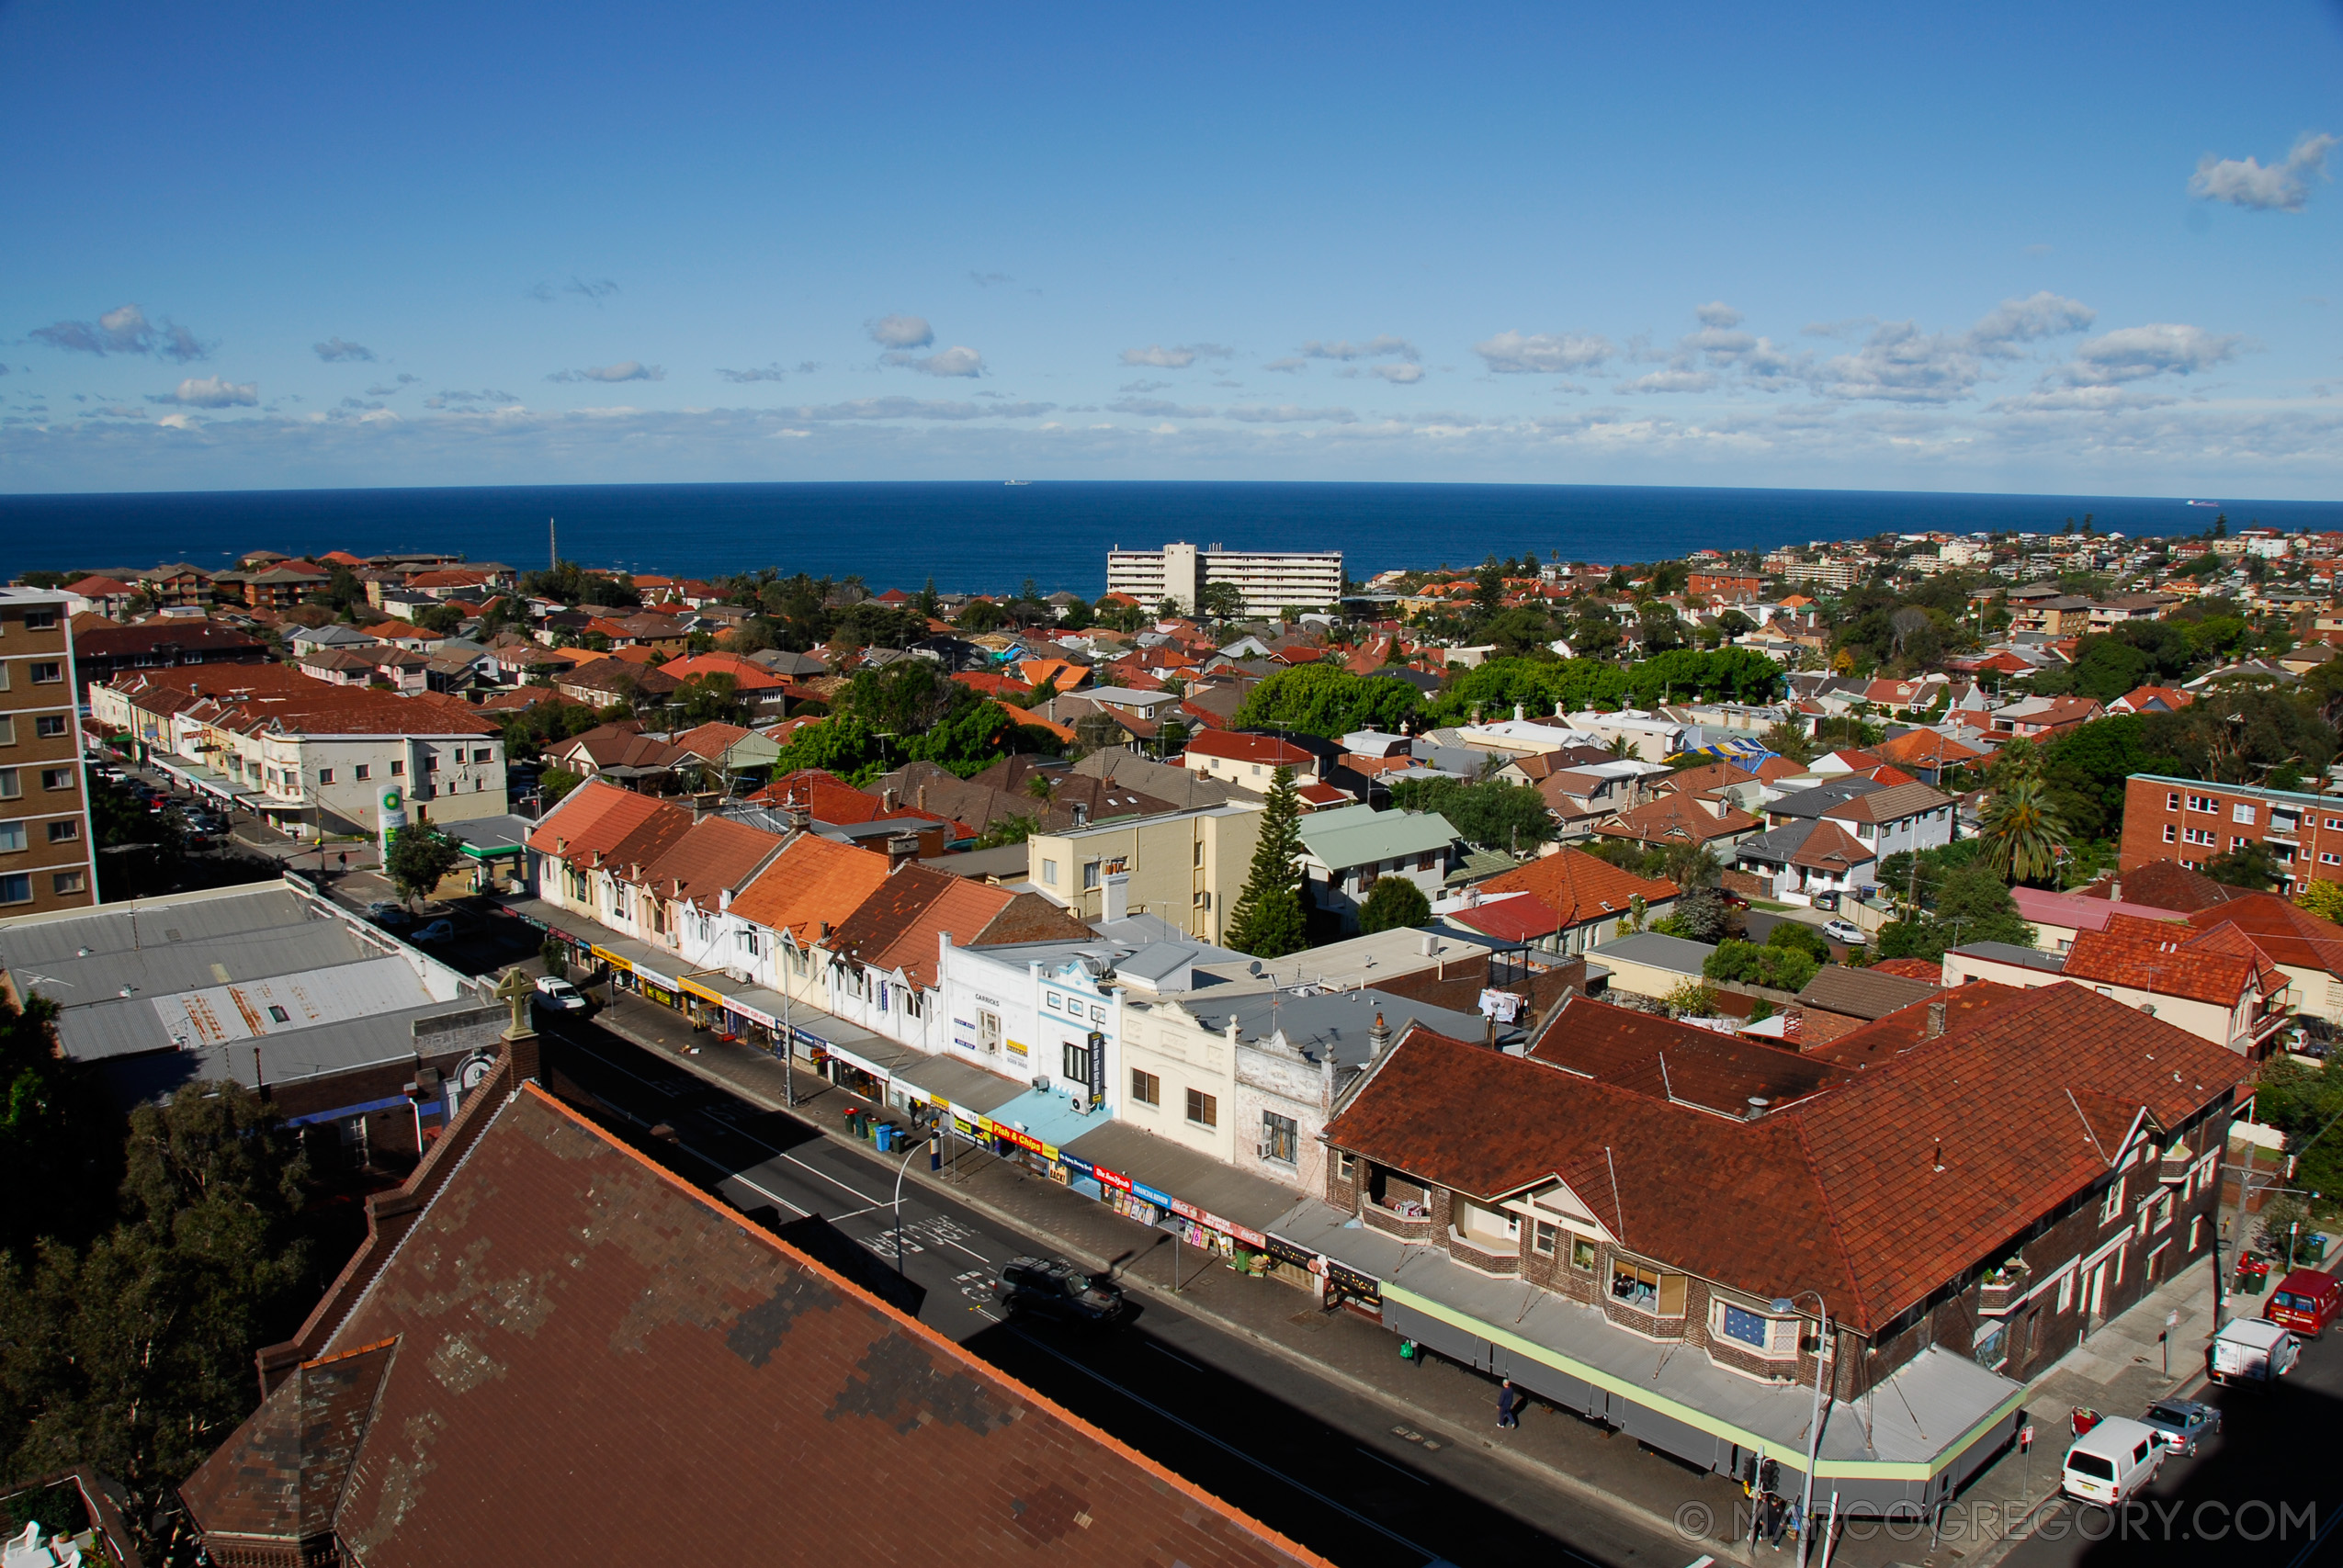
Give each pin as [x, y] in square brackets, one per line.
[1268, 921]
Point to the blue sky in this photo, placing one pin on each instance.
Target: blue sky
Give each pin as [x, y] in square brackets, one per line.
[2016, 248]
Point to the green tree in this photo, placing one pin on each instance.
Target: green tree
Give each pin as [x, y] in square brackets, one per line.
[2253, 867]
[1799, 935]
[1220, 600]
[1392, 903]
[59, 1138]
[444, 620]
[1324, 699]
[557, 783]
[1538, 686]
[1973, 904]
[711, 698]
[420, 856]
[1745, 963]
[1268, 920]
[1494, 813]
[1790, 741]
[1005, 830]
[2023, 832]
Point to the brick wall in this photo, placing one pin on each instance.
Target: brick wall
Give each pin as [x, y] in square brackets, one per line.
[2160, 816]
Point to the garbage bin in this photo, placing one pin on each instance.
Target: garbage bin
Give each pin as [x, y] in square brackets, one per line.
[2311, 1249]
[885, 1134]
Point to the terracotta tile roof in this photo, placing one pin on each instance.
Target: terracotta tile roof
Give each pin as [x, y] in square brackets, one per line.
[1829, 847]
[711, 742]
[1926, 749]
[2140, 698]
[1523, 916]
[283, 1474]
[1677, 820]
[2154, 957]
[750, 675]
[1578, 888]
[1240, 747]
[592, 819]
[1868, 994]
[1929, 969]
[1665, 1060]
[2284, 931]
[713, 855]
[811, 885]
[566, 1311]
[1977, 1129]
[2164, 885]
[899, 926]
[1706, 777]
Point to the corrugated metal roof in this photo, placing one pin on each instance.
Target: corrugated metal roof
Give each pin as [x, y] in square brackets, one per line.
[205, 1016]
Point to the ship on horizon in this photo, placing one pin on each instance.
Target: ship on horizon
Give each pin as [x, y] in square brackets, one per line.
[2184, 503]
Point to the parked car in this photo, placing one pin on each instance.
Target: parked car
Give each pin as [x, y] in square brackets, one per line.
[2306, 1302]
[1055, 1288]
[2252, 1349]
[2111, 1462]
[2183, 1423]
[1845, 933]
[559, 996]
[389, 915]
[437, 931]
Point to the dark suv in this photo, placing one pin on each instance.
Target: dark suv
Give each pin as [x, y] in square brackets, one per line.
[1052, 1288]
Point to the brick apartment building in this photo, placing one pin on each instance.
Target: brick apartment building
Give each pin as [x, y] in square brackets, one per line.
[2192, 821]
[45, 832]
[1738, 586]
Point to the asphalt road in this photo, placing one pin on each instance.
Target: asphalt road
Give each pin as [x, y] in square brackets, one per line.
[1354, 1481]
[2267, 1490]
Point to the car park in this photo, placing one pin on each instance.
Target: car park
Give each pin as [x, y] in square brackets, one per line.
[2111, 1463]
[1845, 933]
[557, 995]
[1055, 1288]
[2183, 1423]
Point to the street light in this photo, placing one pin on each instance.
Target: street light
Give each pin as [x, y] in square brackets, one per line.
[1814, 1425]
[900, 1171]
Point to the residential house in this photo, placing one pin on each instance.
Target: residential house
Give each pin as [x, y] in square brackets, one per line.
[1900, 817]
[2057, 614]
[2124, 608]
[1642, 735]
[2203, 981]
[1567, 902]
[1346, 850]
[99, 594]
[377, 665]
[1696, 1328]
[608, 680]
[763, 692]
[177, 584]
[620, 753]
[1676, 819]
[2152, 699]
[1928, 755]
[1811, 861]
[1245, 761]
[2039, 718]
[1184, 867]
[2307, 949]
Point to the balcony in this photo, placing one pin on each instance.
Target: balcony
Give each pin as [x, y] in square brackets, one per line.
[1473, 1252]
[1412, 1223]
[2003, 1288]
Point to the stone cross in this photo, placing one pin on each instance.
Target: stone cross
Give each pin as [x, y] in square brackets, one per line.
[514, 991]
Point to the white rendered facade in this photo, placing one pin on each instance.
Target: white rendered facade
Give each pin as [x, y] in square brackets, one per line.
[1269, 581]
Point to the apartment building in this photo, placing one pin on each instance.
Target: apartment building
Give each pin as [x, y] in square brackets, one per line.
[2192, 821]
[45, 832]
[1185, 867]
[1269, 581]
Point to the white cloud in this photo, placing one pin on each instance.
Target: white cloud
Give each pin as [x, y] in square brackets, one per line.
[1671, 381]
[625, 370]
[739, 378]
[1288, 413]
[2280, 188]
[1160, 357]
[947, 362]
[1899, 363]
[2136, 353]
[335, 348]
[212, 392]
[1289, 365]
[1143, 386]
[901, 332]
[1517, 353]
[1405, 375]
[1717, 314]
[124, 330]
[1383, 347]
[920, 408]
[465, 402]
[1156, 408]
[2087, 399]
[2031, 319]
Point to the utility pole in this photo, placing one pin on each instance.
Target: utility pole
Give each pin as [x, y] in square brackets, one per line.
[552, 547]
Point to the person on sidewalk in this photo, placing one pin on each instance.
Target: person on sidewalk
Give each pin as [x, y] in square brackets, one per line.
[1773, 1519]
[1509, 1403]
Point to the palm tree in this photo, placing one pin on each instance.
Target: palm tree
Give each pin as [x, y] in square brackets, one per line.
[2023, 832]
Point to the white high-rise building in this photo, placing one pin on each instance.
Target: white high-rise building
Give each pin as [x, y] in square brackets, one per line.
[1269, 581]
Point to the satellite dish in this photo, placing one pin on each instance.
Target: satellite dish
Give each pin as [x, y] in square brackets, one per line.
[1253, 968]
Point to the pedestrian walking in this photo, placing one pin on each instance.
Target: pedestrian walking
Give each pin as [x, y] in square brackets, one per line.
[1774, 1517]
[346, 862]
[1509, 1402]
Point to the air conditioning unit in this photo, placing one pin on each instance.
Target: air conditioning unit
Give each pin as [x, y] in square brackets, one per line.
[740, 976]
[1042, 1085]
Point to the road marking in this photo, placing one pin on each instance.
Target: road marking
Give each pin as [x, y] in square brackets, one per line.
[2314, 1543]
[1230, 1448]
[768, 1193]
[1174, 1355]
[1401, 1469]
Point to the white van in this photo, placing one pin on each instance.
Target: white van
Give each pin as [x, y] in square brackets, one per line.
[2253, 1349]
[2109, 1463]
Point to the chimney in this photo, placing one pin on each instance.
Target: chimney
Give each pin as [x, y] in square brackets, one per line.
[1756, 1110]
[1378, 1038]
[1117, 896]
[1427, 944]
[887, 799]
[1520, 717]
[902, 849]
[1935, 1022]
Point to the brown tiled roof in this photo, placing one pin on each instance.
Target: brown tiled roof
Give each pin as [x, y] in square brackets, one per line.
[591, 820]
[1666, 1060]
[1976, 1130]
[811, 887]
[1238, 746]
[713, 855]
[113, 640]
[2164, 885]
[2284, 930]
[1926, 749]
[711, 742]
[1887, 804]
[1578, 886]
[575, 1324]
[2157, 957]
[281, 1477]
[1675, 819]
[1863, 993]
[1706, 777]
[1929, 969]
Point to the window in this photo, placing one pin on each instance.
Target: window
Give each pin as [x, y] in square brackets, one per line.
[1750, 1329]
[1089, 873]
[1146, 1087]
[1076, 1061]
[2172, 801]
[482, 753]
[1545, 1237]
[2171, 835]
[16, 889]
[56, 778]
[1050, 999]
[2237, 843]
[397, 767]
[1582, 1253]
[2067, 1290]
[1198, 848]
[325, 775]
[49, 726]
[2203, 803]
[280, 1014]
[64, 831]
[431, 761]
[2196, 1233]
[363, 772]
[7, 730]
[2241, 812]
[1204, 1110]
[69, 882]
[988, 1028]
[10, 787]
[1646, 1289]
[41, 620]
[1049, 873]
[1281, 1138]
[12, 838]
[46, 672]
[1346, 1164]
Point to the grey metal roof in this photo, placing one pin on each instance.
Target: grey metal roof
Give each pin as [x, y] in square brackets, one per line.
[2010, 952]
[1821, 798]
[1655, 950]
[1336, 1020]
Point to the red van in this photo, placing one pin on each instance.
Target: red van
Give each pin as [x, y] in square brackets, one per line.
[2306, 1302]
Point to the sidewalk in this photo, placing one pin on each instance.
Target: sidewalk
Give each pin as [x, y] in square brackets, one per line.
[2119, 1371]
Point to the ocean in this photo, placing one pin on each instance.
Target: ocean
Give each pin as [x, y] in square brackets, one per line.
[982, 535]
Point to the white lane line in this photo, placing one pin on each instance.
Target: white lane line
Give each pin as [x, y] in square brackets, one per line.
[1174, 1355]
[1389, 1465]
[766, 1193]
